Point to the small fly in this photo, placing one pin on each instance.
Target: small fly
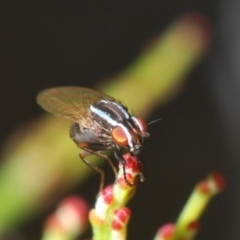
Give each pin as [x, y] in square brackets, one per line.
[100, 122]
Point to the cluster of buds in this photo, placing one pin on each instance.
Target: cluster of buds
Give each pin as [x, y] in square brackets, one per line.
[109, 218]
[187, 224]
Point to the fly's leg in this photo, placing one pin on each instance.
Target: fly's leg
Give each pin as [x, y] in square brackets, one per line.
[109, 162]
[87, 152]
[83, 156]
[123, 162]
[99, 154]
[119, 157]
[141, 175]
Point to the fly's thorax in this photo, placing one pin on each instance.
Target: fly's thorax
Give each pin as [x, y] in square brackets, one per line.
[125, 130]
[108, 114]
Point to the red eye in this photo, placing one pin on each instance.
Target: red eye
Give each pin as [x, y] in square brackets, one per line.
[142, 124]
[119, 136]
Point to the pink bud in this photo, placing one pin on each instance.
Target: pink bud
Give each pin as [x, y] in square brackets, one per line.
[107, 194]
[131, 162]
[219, 180]
[166, 231]
[120, 218]
[204, 187]
[193, 226]
[70, 218]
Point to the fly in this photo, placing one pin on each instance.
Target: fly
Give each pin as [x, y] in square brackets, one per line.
[99, 122]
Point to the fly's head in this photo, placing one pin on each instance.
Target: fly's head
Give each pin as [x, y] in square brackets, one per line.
[131, 134]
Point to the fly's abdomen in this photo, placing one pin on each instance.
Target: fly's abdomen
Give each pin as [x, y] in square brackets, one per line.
[82, 136]
[87, 138]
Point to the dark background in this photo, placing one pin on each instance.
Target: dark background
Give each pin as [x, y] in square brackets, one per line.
[53, 43]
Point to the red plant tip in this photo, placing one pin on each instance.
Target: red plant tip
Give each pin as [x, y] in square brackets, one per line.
[218, 180]
[166, 231]
[214, 184]
[104, 199]
[201, 26]
[204, 187]
[120, 219]
[131, 163]
[70, 217]
[193, 226]
[132, 169]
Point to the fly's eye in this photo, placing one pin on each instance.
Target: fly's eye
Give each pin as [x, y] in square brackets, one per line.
[142, 124]
[119, 136]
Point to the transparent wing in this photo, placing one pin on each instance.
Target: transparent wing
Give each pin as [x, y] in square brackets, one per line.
[70, 102]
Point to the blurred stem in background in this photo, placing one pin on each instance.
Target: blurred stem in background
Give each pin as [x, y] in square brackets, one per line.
[42, 161]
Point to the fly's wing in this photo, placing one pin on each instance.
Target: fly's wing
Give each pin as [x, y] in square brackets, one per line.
[70, 102]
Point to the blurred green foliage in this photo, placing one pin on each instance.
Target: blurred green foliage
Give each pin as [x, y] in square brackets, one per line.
[45, 161]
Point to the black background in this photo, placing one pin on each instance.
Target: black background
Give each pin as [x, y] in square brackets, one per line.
[54, 43]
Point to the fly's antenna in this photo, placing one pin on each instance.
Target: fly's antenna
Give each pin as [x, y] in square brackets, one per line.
[156, 120]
